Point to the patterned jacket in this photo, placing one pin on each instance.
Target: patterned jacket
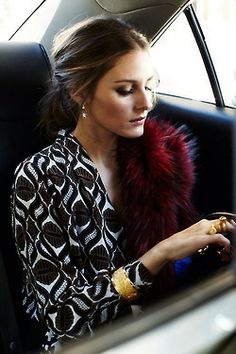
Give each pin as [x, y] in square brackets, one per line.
[69, 239]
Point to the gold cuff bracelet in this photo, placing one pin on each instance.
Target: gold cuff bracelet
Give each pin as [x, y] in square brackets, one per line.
[124, 285]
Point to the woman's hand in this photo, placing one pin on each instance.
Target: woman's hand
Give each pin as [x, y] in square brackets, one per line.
[186, 243]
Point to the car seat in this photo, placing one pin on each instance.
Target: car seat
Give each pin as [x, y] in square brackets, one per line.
[24, 77]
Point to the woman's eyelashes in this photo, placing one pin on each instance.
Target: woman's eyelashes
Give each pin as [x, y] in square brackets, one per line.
[122, 91]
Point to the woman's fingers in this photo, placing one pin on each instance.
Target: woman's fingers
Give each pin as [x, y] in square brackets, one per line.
[231, 225]
[199, 237]
[219, 240]
[210, 232]
[217, 229]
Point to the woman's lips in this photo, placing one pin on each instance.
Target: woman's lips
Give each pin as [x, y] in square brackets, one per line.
[137, 120]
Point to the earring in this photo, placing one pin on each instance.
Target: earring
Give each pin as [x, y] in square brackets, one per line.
[84, 115]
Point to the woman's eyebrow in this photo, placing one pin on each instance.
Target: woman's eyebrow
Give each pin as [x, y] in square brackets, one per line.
[131, 81]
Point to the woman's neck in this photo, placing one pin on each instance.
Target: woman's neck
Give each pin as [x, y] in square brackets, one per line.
[99, 143]
[101, 148]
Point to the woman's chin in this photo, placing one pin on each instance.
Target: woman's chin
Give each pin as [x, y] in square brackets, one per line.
[134, 133]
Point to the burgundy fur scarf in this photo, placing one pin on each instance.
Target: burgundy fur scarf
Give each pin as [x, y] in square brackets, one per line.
[157, 177]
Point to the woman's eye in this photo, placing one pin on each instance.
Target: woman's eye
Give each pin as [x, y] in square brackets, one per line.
[124, 92]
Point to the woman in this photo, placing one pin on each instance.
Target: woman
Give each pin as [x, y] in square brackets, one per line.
[98, 214]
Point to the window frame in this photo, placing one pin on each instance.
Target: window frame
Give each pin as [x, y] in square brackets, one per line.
[11, 37]
[205, 54]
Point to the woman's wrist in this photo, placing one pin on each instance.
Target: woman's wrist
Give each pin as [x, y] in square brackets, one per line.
[155, 258]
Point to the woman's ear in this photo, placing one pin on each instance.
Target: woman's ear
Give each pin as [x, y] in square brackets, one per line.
[76, 97]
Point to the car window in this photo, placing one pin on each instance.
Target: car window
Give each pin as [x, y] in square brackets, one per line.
[35, 28]
[218, 21]
[178, 60]
[13, 13]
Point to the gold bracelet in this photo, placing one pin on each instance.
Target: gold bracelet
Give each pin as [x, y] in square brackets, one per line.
[124, 285]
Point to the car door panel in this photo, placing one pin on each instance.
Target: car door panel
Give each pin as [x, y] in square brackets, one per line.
[213, 129]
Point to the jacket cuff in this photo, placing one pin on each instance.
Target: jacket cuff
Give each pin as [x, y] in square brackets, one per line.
[139, 275]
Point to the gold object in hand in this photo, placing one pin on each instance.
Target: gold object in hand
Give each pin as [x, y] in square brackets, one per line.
[218, 227]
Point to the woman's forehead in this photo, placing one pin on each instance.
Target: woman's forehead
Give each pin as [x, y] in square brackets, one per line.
[135, 65]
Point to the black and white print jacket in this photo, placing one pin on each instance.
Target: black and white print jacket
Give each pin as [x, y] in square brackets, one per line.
[69, 239]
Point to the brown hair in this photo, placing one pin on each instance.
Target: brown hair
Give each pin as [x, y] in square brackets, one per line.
[82, 54]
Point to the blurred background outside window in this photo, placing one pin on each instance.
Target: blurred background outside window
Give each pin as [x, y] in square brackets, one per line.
[13, 13]
[178, 61]
[218, 21]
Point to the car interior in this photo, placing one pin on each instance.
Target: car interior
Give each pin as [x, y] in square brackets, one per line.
[25, 74]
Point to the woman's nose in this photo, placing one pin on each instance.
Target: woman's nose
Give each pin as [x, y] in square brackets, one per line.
[144, 101]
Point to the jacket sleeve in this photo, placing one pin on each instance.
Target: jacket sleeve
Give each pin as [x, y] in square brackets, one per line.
[67, 300]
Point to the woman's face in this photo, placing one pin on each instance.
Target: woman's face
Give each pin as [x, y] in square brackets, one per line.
[123, 96]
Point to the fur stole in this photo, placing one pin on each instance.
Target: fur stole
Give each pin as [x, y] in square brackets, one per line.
[157, 177]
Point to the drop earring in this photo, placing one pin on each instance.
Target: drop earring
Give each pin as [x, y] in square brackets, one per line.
[84, 115]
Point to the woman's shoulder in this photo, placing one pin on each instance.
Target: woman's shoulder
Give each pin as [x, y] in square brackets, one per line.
[38, 164]
[34, 167]
[56, 161]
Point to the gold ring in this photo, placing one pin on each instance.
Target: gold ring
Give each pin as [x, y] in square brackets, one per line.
[218, 227]
[223, 224]
[203, 250]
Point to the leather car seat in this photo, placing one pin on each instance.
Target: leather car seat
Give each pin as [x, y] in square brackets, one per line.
[24, 77]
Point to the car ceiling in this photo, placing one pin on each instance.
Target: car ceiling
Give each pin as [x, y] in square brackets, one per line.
[150, 16]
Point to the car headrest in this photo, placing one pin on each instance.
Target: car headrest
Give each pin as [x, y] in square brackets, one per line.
[23, 65]
[25, 74]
